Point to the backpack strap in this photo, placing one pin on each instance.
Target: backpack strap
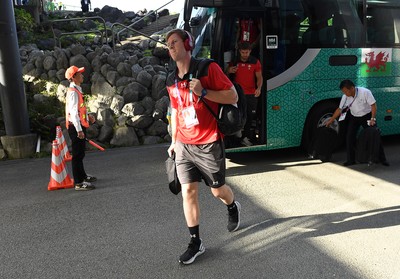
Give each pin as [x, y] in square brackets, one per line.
[201, 68]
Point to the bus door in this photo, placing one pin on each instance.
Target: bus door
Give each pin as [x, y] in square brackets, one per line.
[233, 28]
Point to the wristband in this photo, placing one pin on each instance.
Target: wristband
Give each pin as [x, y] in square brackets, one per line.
[203, 93]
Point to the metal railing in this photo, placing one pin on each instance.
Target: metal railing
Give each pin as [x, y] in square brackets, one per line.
[79, 32]
[129, 27]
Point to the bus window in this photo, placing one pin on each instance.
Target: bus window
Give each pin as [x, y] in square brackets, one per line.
[201, 27]
[383, 23]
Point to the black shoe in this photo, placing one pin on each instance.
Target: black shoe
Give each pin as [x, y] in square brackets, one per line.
[385, 163]
[349, 163]
[234, 218]
[90, 178]
[84, 186]
[193, 251]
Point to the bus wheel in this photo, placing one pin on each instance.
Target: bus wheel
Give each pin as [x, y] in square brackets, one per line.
[317, 118]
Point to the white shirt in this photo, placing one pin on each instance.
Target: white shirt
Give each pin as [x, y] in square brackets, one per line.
[361, 104]
[73, 101]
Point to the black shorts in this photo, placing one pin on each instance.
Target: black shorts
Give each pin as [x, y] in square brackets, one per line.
[203, 161]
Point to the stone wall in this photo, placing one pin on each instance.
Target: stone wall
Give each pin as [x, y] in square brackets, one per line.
[126, 87]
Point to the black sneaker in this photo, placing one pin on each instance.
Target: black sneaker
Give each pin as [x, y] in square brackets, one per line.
[84, 186]
[234, 218]
[90, 178]
[193, 251]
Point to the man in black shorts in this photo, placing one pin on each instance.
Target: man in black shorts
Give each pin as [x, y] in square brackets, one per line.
[196, 140]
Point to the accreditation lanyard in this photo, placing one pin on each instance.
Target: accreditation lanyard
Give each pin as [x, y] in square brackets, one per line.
[346, 109]
[178, 93]
[188, 113]
[353, 99]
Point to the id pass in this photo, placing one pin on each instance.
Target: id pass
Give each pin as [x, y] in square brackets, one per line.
[190, 117]
[246, 36]
[342, 116]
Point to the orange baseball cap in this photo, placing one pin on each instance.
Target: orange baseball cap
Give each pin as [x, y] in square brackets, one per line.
[71, 71]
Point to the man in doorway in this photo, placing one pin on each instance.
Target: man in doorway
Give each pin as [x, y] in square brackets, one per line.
[247, 73]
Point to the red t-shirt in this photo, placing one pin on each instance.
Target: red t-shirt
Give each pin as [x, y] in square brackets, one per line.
[245, 74]
[207, 130]
[248, 30]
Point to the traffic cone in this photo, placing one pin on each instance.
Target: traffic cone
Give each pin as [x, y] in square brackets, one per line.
[59, 178]
[62, 144]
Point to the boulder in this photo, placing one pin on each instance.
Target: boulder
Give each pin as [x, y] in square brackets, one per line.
[125, 136]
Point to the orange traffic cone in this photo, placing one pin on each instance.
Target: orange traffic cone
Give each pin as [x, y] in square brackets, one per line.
[59, 178]
[62, 144]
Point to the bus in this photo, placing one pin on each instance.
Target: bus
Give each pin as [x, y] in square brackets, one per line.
[306, 48]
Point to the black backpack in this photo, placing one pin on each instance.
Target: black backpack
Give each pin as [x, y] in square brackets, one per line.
[230, 118]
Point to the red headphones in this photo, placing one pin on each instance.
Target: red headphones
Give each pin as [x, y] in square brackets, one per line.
[188, 43]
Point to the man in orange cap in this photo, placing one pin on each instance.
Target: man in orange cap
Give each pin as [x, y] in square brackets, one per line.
[77, 120]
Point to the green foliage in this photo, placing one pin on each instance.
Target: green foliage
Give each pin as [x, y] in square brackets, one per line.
[147, 52]
[25, 26]
[24, 20]
[43, 114]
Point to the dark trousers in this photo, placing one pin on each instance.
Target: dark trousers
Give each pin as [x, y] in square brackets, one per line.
[85, 8]
[354, 124]
[251, 101]
[78, 153]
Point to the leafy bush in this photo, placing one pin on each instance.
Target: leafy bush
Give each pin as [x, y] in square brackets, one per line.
[24, 20]
[43, 114]
[25, 26]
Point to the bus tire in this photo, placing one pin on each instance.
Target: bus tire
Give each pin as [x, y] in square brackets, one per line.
[315, 119]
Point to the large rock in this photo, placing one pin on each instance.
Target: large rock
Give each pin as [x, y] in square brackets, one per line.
[81, 61]
[101, 87]
[125, 136]
[106, 133]
[136, 69]
[117, 104]
[105, 117]
[148, 104]
[62, 59]
[112, 77]
[144, 78]
[112, 14]
[132, 109]
[124, 81]
[140, 121]
[115, 58]
[160, 108]
[135, 89]
[92, 132]
[78, 49]
[158, 128]
[158, 89]
[124, 69]
[49, 63]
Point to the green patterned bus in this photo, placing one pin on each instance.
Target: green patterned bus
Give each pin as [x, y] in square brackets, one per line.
[306, 47]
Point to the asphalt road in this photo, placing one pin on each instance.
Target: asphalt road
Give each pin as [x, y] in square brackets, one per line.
[300, 219]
